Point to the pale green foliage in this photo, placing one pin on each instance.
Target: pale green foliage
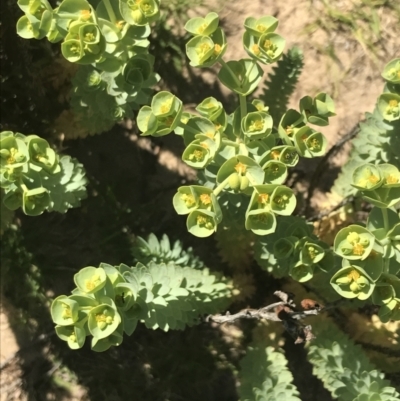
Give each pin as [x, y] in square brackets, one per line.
[161, 251]
[111, 300]
[67, 188]
[109, 39]
[35, 178]
[264, 376]
[378, 141]
[173, 296]
[292, 250]
[344, 368]
[99, 107]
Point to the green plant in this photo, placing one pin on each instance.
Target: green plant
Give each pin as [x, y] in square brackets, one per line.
[243, 160]
[264, 376]
[35, 178]
[111, 300]
[110, 43]
[344, 368]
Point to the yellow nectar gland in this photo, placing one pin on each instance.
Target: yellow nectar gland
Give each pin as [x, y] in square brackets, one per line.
[188, 200]
[85, 14]
[75, 49]
[201, 28]
[147, 8]
[353, 275]
[11, 158]
[314, 144]
[281, 201]
[204, 145]
[166, 106]
[261, 28]
[392, 179]
[217, 49]
[240, 168]
[256, 125]
[120, 24]
[202, 49]
[312, 252]
[205, 199]
[289, 130]
[66, 314]
[393, 103]
[211, 135]
[358, 249]
[263, 199]
[255, 49]
[72, 337]
[89, 37]
[269, 47]
[371, 179]
[205, 222]
[275, 154]
[103, 319]
[353, 237]
[393, 73]
[197, 155]
[93, 282]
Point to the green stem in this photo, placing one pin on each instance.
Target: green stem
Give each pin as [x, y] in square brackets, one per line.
[377, 195]
[230, 143]
[220, 187]
[188, 128]
[110, 11]
[385, 219]
[385, 216]
[235, 78]
[243, 106]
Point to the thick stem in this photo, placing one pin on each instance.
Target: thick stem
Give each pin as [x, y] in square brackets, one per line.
[385, 219]
[243, 106]
[235, 78]
[188, 128]
[386, 228]
[110, 11]
[230, 143]
[220, 187]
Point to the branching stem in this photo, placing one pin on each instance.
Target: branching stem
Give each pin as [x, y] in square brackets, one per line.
[220, 187]
[110, 11]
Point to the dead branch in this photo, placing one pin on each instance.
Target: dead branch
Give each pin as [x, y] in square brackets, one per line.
[283, 311]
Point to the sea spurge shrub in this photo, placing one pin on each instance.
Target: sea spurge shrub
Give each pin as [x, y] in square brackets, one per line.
[378, 142]
[264, 376]
[110, 41]
[293, 250]
[161, 251]
[242, 157]
[110, 300]
[34, 177]
[344, 368]
[371, 255]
